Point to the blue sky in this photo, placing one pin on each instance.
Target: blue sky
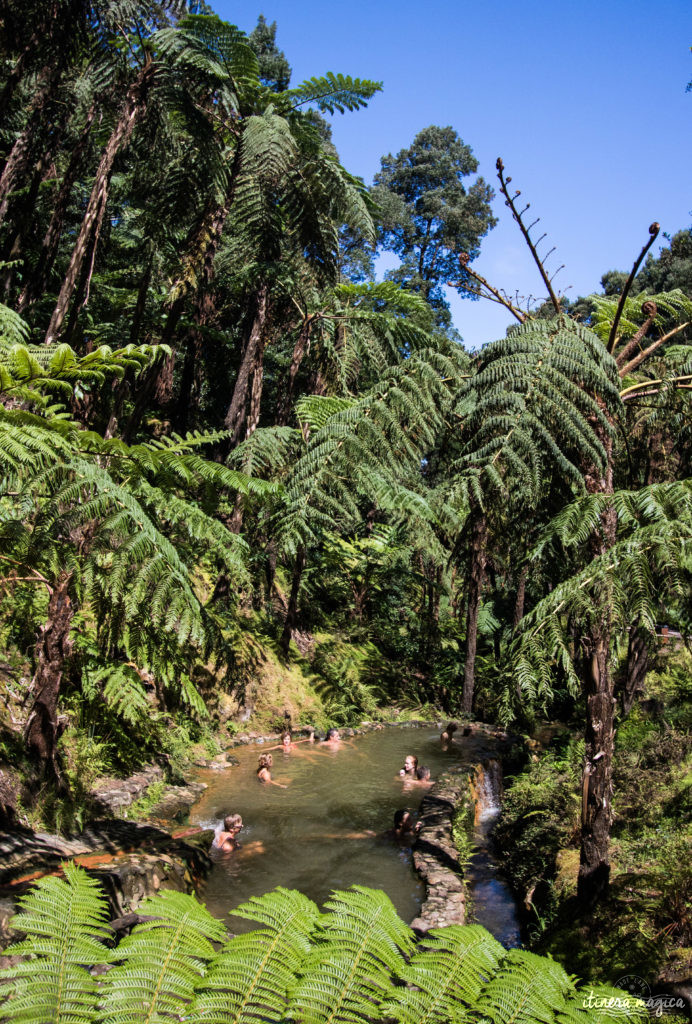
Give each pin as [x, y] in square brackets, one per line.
[585, 102]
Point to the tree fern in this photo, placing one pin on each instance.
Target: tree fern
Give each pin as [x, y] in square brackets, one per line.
[445, 975]
[360, 946]
[650, 559]
[332, 92]
[64, 921]
[531, 406]
[250, 978]
[356, 962]
[161, 962]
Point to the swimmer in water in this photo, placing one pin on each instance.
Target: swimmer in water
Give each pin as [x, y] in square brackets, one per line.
[288, 743]
[334, 740]
[447, 736]
[225, 838]
[405, 828]
[410, 766]
[423, 776]
[264, 774]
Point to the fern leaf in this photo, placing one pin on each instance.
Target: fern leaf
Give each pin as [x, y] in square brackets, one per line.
[161, 961]
[249, 980]
[361, 944]
[63, 921]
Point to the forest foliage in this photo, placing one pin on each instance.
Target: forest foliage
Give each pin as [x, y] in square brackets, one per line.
[219, 431]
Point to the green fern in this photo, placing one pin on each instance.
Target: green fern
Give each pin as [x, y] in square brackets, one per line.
[360, 946]
[161, 962]
[536, 402]
[250, 978]
[64, 921]
[451, 961]
[354, 963]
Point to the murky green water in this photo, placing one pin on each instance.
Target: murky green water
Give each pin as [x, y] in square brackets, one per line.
[301, 837]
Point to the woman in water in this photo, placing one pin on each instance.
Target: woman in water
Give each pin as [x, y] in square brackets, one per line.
[264, 767]
[447, 736]
[410, 766]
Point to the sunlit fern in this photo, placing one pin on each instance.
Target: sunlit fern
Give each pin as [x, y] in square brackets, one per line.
[355, 962]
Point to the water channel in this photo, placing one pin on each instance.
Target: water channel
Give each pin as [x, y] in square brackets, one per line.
[313, 834]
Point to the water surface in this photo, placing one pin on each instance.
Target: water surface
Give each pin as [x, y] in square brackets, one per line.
[308, 830]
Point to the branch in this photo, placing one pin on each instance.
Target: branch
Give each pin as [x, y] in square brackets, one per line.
[509, 201]
[495, 295]
[649, 309]
[653, 233]
[629, 392]
[634, 363]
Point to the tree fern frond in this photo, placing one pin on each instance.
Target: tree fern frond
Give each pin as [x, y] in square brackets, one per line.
[360, 947]
[250, 978]
[445, 975]
[332, 92]
[161, 962]
[63, 920]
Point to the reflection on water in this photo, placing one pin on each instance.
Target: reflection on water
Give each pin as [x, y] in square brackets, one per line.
[493, 902]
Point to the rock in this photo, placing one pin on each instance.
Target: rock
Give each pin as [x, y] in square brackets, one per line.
[435, 855]
[112, 795]
[131, 861]
[176, 801]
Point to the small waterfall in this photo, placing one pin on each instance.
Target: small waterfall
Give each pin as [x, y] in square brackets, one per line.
[487, 792]
[494, 904]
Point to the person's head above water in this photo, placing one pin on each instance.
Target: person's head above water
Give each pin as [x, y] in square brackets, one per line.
[332, 734]
[423, 774]
[286, 739]
[410, 765]
[402, 820]
[233, 823]
[265, 761]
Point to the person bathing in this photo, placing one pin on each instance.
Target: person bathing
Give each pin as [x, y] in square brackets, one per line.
[264, 773]
[225, 835]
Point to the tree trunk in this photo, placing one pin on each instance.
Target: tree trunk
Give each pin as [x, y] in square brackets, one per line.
[291, 619]
[597, 779]
[53, 647]
[141, 304]
[478, 562]
[299, 351]
[81, 294]
[636, 667]
[49, 247]
[20, 155]
[253, 415]
[205, 238]
[521, 597]
[252, 359]
[132, 111]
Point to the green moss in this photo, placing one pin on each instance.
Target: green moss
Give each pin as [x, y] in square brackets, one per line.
[140, 809]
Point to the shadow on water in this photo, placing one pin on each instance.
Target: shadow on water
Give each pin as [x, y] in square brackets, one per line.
[325, 830]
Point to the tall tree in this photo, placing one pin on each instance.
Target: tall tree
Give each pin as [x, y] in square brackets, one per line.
[429, 216]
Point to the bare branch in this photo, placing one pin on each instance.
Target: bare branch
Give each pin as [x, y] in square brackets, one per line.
[653, 235]
[634, 363]
[494, 295]
[650, 311]
[509, 201]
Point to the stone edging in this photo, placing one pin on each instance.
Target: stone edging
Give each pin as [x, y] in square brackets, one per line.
[435, 856]
[243, 739]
